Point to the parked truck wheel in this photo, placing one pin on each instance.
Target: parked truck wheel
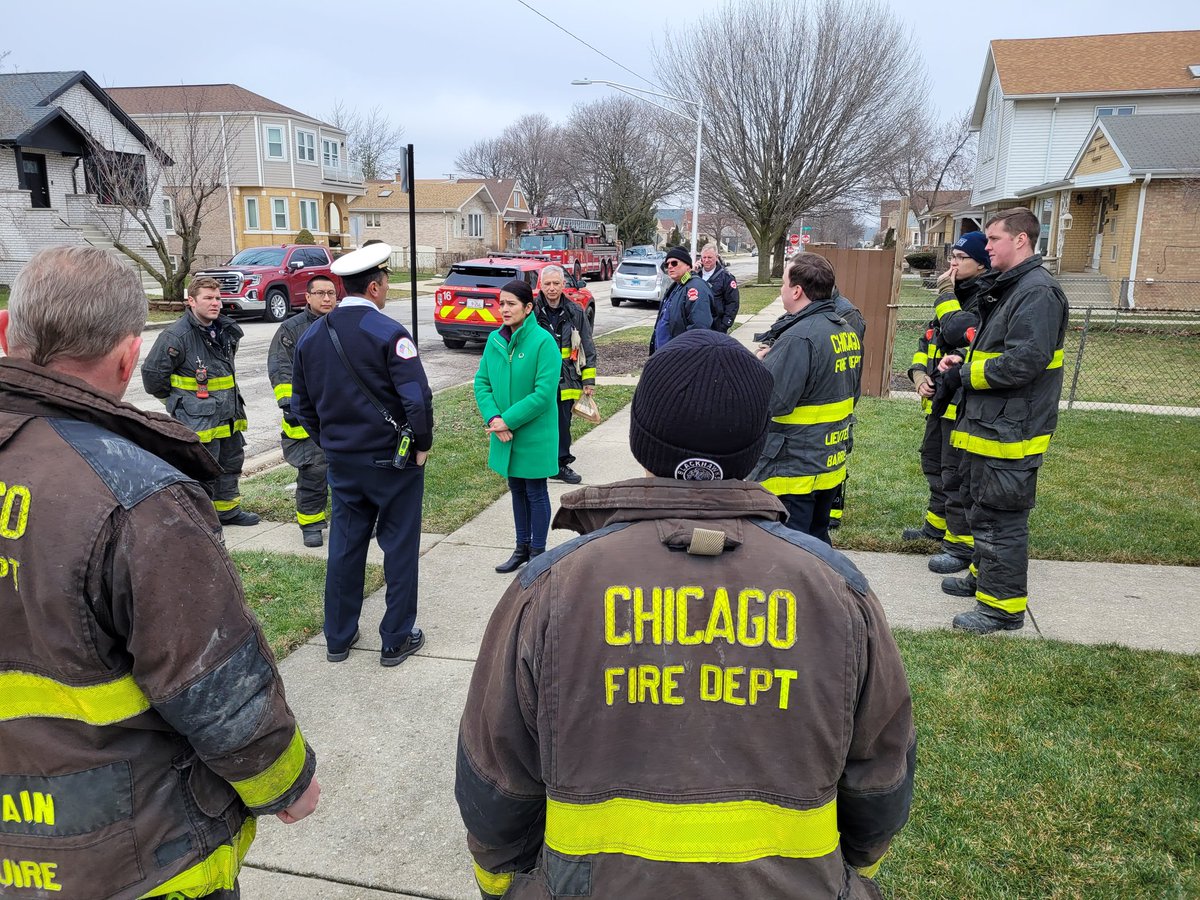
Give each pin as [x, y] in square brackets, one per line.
[578, 270]
[454, 343]
[277, 306]
[591, 314]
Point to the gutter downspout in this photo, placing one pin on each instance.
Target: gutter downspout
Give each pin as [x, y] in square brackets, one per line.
[1050, 141]
[1137, 235]
[228, 191]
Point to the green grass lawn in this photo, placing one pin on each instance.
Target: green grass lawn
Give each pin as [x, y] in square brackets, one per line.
[458, 483]
[755, 298]
[287, 594]
[639, 334]
[1049, 770]
[1114, 486]
[401, 275]
[3, 299]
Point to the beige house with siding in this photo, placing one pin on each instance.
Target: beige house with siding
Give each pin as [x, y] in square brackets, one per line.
[284, 170]
[514, 214]
[455, 219]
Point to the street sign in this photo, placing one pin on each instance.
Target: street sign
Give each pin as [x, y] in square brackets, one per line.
[806, 228]
[806, 238]
[794, 239]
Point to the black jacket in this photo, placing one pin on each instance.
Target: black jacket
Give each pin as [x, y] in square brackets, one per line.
[279, 368]
[573, 320]
[725, 298]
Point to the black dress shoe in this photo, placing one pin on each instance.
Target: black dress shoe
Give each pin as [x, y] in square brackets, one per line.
[568, 475]
[393, 656]
[519, 557]
[341, 655]
[237, 517]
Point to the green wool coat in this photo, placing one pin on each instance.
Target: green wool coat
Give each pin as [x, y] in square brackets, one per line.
[518, 381]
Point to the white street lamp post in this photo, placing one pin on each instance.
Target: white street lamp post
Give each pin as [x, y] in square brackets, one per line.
[627, 89]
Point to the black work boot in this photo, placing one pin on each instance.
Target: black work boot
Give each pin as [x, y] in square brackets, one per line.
[237, 516]
[568, 475]
[962, 586]
[947, 563]
[519, 558]
[984, 619]
[925, 533]
[312, 535]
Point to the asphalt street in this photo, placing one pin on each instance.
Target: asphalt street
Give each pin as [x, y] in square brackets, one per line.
[443, 367]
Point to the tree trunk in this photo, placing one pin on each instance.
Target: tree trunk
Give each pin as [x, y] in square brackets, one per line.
[777, 264]
[762, 242]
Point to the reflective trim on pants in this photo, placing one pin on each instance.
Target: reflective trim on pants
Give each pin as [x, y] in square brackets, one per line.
[216, 872]
[493, 884]
[805, 484]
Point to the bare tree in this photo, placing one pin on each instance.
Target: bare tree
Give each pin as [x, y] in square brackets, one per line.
[625, 158]
[373, 141]
[933, 159]
[802, 101]
[187, 167]
[533, 147]
[486, 158]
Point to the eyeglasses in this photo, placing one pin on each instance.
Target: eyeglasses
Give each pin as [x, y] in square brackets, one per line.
[322, 293]
[672, 263]
[959, 256]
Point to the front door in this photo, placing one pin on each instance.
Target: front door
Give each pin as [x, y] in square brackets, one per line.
[33, 168]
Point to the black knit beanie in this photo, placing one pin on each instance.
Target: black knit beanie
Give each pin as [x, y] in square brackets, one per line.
[677, 253]
[700, 409]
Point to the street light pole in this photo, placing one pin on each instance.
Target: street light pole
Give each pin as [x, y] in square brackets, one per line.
[627, 89]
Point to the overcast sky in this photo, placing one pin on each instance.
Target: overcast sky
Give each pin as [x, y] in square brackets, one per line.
[453, 72]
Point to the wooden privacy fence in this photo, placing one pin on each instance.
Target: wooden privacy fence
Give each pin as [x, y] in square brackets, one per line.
[869, 278]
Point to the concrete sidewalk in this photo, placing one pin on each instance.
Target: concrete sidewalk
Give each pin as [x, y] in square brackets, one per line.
[385, 739]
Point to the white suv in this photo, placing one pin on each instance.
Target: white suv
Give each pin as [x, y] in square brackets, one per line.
[640, 278]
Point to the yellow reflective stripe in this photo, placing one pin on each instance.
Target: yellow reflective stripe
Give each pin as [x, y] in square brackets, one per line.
[222, 383]
[309, 518]
[566, 352]
[216, 872]
[926, 406]
[492, 883]
[226, 505]
[971, 443]
[731, 832]
[935, 520]
[487, 316]
[805, 484]
[817, 414]
[835, 513]
[283, 391]
[570, 394]
[870, 871]
[952, 538]
[974, 571]
[212, 434]
[1056, 360]
[978, 379]
[588, 373]
[920, 359]
[293, 431]
[951, 412]
[29, 696]
[946, 306]
[1009, 604]
[239, 425]
[277, 779]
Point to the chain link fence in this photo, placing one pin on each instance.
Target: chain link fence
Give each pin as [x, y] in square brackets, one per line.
[1140, 359]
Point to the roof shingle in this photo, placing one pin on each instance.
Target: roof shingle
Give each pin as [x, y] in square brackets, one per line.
[1159, 143]
[197, 98]
[431, 195]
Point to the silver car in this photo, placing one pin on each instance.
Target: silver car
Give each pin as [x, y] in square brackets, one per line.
[640, 278]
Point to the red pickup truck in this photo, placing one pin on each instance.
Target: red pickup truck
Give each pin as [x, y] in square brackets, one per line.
[272, 281]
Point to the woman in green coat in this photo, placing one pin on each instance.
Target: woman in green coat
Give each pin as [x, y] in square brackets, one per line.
[516, 388]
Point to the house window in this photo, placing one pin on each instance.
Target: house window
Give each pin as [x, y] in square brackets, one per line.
[168, 214]
[1045, 218]
[308, 215]
[252, 214]
[279, 213]
[331, 154]
[306, 146]
[475, 225]
[1102, 111]
[987, 140]
[373, 220]
[274, 141]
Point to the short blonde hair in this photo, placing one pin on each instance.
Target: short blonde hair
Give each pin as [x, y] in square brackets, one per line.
[73, 303]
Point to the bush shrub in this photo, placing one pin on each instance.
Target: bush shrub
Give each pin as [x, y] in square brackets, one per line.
[921, 260]
[305, 237]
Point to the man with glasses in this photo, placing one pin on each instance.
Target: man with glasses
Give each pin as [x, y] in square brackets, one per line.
[300, 450]
[687, 305]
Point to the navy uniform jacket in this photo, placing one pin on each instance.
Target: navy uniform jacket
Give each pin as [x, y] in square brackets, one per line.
[330, 405]
[725, 298]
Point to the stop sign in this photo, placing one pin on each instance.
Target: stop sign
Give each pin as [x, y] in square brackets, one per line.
[794, 239]
[806, 238]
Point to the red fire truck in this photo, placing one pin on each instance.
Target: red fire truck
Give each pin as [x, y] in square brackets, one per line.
[581, 246]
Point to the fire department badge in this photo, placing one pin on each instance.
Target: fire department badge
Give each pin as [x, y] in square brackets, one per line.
[692, 294]
[732, 282]
[696, 469]
[405, 348]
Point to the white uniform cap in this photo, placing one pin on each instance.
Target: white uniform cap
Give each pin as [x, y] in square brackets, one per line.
[362, 260]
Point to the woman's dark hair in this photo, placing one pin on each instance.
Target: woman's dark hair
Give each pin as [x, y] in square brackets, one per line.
[519, 289]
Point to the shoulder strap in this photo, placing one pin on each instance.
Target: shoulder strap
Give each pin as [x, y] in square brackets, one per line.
[337, 345]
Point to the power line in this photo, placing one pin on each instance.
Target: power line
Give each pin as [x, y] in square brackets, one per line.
[586, 44]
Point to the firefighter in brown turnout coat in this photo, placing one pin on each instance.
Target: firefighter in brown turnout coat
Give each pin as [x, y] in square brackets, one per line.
[143, 725]
[688, 682]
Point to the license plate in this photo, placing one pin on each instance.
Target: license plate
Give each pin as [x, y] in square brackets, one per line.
[635, 281]
[474, 303]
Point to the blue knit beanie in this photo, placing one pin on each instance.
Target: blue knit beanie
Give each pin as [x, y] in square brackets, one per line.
[974, 244]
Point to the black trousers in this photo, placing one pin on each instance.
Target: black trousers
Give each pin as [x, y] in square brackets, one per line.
[564, 433]
[931, 468]
[230, 454]
[1001, 493]
[810, 512]
[958, 540]
[312, 491]
[363, 493]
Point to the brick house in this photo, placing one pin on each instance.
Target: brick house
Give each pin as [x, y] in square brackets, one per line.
[455, 219]
[514, 212]
[52, 125]
[283, 170]
[1101, 145]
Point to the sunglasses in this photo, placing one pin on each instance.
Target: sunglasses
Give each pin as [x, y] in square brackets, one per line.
[672, 263]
